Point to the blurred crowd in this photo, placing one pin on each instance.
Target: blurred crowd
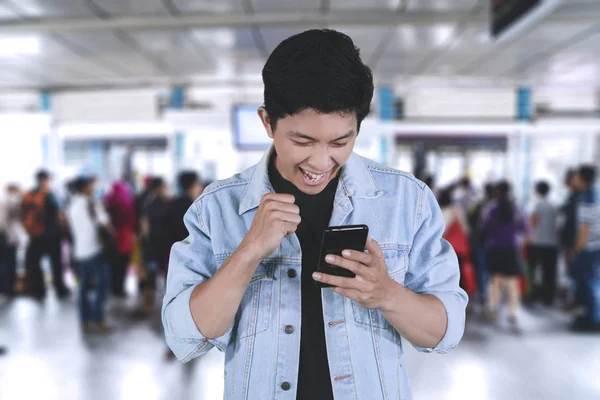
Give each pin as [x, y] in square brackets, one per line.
[504, 249]
[100, 238]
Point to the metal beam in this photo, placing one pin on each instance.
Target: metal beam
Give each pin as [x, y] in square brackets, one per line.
[367, 17]
[364, 17]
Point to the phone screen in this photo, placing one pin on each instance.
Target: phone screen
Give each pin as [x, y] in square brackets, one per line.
[335, 240]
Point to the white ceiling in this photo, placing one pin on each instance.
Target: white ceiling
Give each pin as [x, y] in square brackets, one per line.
[556, 52]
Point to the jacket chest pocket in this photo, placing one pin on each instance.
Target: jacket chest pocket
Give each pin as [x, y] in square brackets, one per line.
[254, 314]
[397, 263]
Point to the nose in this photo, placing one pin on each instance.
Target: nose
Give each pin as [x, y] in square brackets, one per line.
[321, 160]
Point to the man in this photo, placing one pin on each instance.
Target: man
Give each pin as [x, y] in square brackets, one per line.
[85, 216]
[567, 233]
[543, 251]
[191, 187]
[587, 249]
[154, 239]
[244, 280]
[477, 241]
[42, 220]
[11, 235]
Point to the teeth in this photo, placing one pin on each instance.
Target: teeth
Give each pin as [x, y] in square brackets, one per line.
[313, 177]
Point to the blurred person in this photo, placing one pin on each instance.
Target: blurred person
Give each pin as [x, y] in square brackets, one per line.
[464, 195]
[567, 232]
[543, 249]
[3, 350]
[154, 240]
[138, 253]
[86, 216]
[141, 200]
[244, 280]
[457, 234]
[477, 240]
[120, 206]
[11, 236]
[191, 187]
[42, 220]
[502, 226]
[586, 263]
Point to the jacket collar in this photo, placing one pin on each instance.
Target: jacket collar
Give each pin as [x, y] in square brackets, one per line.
[356, 181]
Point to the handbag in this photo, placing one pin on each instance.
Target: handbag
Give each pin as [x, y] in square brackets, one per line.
[467, 277]
[455, 235]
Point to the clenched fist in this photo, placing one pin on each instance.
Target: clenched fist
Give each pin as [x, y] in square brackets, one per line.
[277, 217]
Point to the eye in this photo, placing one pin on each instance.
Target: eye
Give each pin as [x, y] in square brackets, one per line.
[301, 144]
[339, 144]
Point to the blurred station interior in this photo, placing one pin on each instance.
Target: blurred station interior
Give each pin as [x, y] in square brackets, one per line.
[127, 89]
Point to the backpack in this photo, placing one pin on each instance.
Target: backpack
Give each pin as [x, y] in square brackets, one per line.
[34, 215]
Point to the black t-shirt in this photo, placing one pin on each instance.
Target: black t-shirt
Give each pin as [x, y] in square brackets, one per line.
[314, 382]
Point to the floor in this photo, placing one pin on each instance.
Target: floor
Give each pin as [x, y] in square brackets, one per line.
[49, 359]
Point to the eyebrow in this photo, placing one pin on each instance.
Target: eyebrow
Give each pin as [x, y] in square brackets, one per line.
[301, 135]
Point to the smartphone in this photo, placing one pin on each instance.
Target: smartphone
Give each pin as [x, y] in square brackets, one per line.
[335, 240]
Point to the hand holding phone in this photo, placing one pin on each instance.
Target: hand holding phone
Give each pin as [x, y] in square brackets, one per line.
[335, 240]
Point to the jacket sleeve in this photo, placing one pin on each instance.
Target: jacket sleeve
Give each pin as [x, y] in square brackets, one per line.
[433, 269]
[191, 263]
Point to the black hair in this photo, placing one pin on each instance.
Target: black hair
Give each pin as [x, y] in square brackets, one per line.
[569, 175]
[187, 179]
[42, 175]
[542, 188]
[505, 207]
[489, 190]
[155, 183]
[81, 183]
[445, 197]
[587, 173]
[465, 182]
[429, 181]
[318, 69]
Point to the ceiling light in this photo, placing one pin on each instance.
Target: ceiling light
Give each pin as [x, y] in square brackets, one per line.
[14, 46]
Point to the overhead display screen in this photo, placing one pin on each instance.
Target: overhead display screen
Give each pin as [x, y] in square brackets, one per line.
[248, 131]
[511, 17]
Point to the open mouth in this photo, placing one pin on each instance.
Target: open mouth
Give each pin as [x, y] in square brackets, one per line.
[312, 179]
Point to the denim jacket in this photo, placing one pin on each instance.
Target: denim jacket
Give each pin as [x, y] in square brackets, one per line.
[364, 351]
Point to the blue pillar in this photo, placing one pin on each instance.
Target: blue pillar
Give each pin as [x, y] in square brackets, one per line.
[386, 103]
[45, 101]
[177, 97]
[524, 104]
[525, 113]
[386, 113]
[45, 106]
[177, 103]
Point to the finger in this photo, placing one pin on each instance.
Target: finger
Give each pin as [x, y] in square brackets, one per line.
[280, 197]
[338, 281]
[373, 248]
[289, 228]
[285, 207]
[343, 263]
[349, 293]
[287, 217]
[358, 256]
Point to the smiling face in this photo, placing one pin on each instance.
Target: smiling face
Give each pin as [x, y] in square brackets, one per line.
[311, 147]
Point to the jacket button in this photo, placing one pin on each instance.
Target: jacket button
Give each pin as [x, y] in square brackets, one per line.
[289, 329]
[292, 273]
[286, 386]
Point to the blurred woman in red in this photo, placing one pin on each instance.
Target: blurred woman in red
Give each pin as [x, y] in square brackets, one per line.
[119, 203]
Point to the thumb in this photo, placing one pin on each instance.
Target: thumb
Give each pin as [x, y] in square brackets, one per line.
[373, 248]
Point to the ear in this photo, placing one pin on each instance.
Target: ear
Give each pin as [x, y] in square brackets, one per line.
[266, 121]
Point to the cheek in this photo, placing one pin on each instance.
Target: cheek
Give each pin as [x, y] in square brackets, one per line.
[340, 156]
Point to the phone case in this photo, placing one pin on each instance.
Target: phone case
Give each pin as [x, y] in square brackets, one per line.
[335, 240]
